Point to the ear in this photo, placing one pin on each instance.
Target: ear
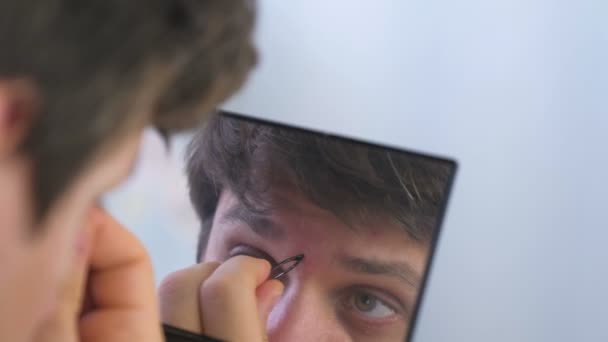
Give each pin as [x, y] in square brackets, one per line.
[17, 110]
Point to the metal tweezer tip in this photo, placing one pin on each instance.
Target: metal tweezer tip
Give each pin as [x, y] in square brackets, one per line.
[277, 271]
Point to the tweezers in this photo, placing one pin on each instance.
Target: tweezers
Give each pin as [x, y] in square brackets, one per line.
[276, 272]
[179, 335]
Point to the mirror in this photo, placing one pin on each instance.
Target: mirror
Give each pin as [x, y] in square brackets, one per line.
[365, 217]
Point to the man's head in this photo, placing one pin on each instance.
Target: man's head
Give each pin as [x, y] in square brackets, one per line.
[363, 216]
[79, 80]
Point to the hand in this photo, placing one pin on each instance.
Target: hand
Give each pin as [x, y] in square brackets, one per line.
[229, 301]
[110, 294]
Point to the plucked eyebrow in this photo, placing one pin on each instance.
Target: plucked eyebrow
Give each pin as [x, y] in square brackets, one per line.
[402, 271]
[259, 223]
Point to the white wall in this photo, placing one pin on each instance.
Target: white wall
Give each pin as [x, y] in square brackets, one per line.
[515, 90]
[154, 204]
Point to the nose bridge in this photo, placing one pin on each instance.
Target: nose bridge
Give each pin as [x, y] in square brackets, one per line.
[303, 314]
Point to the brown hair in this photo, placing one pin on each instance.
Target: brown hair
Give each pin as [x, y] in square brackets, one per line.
[357, 182]
[94, 61]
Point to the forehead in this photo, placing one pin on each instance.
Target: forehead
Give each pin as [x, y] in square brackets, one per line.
[288, 213]
[298, 226]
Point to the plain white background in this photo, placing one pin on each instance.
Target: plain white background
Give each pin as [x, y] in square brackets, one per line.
[516, 91]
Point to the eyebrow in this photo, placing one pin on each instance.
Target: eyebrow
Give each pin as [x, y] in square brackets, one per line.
[259, 223]
[266, 228]
[402, 271]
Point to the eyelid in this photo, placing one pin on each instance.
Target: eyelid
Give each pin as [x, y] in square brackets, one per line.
[387, 299]
[359, 321]
[254, 253]
[278, 269]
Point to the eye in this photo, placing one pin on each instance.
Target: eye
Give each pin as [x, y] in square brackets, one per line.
[370, 306]
[366, 308]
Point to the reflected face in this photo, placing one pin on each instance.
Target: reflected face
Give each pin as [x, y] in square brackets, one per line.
[356, 284]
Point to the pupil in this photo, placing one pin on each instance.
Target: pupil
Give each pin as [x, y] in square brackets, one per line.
[365, 302]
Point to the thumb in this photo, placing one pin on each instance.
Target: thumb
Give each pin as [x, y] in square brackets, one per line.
[178, 294]
[120, 287]
[267, 295]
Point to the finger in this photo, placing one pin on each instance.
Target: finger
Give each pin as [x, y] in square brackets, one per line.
[228, 299]
[178, 293]
[62, 325]
[121, 288]
[268, 294]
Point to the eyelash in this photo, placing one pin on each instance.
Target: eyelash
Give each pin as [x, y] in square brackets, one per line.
[390, 303]
[357, 290]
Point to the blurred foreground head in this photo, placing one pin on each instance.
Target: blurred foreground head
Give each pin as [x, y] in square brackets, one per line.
[96, 70]
[79, 81]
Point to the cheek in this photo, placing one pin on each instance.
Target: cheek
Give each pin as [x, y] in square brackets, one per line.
[285, 310]
[64, 225]
[33, 271]
[16, 202]
[304, 311]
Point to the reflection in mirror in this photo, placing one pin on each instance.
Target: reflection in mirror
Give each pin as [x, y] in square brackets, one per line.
[364, 216]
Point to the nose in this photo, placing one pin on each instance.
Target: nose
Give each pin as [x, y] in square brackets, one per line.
[304, 314]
